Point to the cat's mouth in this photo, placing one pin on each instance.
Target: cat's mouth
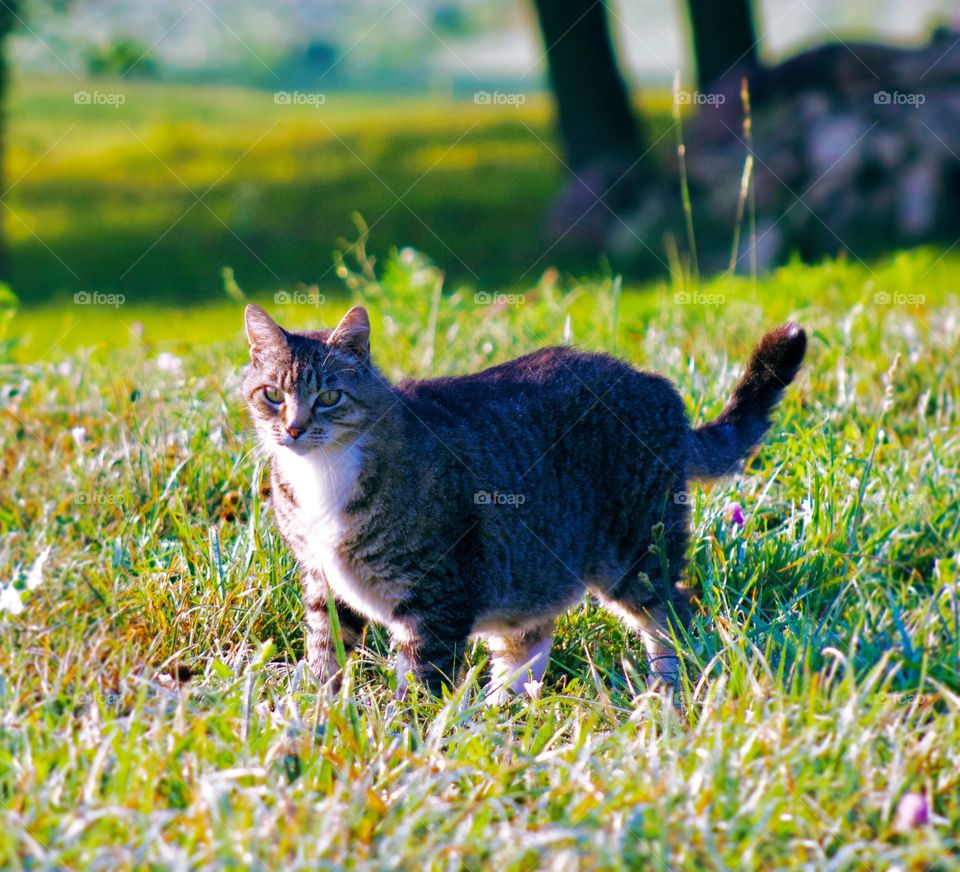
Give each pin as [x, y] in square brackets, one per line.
[304, 444]
[299, 448]
[324, 440]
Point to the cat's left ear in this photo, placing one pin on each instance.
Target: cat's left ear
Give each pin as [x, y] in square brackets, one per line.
[263, 334]
[353, 333]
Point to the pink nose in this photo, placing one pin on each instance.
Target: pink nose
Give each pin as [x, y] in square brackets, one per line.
[295, 431]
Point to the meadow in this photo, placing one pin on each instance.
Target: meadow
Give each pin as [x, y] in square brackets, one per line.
[149, 190]
[154, 712]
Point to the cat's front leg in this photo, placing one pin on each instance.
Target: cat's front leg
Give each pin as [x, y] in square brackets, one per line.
[320, 640]
[432, 656]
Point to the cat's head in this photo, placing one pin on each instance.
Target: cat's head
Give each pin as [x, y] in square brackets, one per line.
[311, 390]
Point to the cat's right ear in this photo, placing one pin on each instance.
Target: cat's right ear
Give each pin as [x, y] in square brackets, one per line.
[262, 332]
[353, 333]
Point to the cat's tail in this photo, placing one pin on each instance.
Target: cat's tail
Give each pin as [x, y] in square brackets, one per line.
[717, 448]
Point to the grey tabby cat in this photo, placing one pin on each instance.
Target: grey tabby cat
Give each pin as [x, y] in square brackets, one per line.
[487, 504]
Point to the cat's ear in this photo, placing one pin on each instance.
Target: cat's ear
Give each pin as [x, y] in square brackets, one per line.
[353, 333]
[262, 332]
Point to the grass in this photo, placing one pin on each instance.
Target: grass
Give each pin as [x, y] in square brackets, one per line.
[151, 197]
[153, 713]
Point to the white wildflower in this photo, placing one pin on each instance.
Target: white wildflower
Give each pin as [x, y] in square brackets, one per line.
[169, 362]
[533, 688]
[35, 575]
[10, 600]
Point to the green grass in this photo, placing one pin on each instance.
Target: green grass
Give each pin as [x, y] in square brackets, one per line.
[823, 666]
[105, 198]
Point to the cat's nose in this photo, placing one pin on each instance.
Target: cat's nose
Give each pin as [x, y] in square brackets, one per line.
[295, 431]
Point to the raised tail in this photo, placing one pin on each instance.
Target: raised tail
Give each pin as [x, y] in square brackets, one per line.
[718, 448]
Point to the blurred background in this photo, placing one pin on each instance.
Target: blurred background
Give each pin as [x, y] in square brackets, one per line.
[166, 152]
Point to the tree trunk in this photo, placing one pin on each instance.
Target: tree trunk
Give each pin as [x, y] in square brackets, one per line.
[595, 119]
[723, 38]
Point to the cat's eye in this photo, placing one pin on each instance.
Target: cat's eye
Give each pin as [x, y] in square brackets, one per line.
[273, 395]
[328, 398]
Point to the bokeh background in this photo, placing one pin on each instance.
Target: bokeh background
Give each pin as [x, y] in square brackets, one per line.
[167, 151]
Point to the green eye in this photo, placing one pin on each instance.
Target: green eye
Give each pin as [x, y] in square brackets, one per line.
[273, 395]
[329, 398]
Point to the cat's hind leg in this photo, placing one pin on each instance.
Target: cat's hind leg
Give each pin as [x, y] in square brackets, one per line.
[657, 627]
[518, 658]
[432, 656]
[658, 616]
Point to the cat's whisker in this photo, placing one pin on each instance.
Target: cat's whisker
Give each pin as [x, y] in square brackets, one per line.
[260, 453]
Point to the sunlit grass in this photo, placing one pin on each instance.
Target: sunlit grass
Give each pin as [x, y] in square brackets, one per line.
[151, 197]
[152, 710]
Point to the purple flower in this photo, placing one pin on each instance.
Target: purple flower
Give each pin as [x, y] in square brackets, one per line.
[913, 811]
[733, 514]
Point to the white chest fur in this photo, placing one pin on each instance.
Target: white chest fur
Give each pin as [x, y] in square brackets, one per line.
[323, 482]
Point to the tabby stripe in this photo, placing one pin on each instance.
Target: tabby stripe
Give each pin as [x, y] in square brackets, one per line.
[287, 491]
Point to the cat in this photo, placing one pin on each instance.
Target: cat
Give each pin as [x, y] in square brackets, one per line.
[488, 504]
